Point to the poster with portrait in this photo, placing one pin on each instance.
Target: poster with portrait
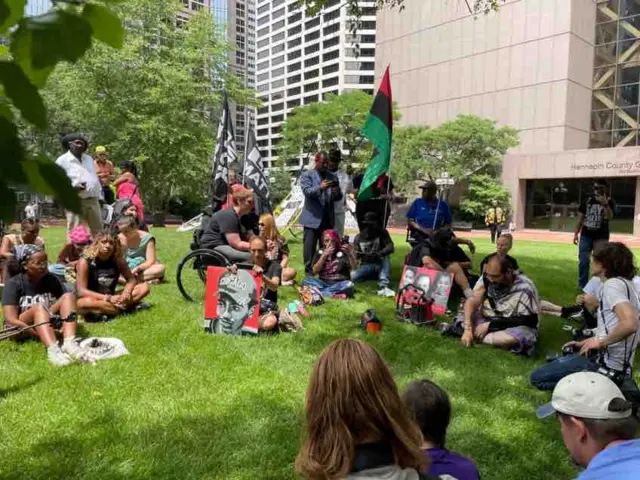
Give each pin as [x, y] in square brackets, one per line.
[436, 285]
[232, 301]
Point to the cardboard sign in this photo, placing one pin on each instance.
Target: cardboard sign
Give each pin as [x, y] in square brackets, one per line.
[436, 285]
[232, 301]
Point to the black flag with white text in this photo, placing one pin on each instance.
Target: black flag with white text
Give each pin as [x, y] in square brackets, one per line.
[253, 176]
[224, 156]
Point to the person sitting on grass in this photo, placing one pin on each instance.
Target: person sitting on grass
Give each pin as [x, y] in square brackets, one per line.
[225, 233]
[132, 211]
[35, 297]
[98, 272]
[443, 253]
[333, 265]
[356, 424]
[374, 246]
[140, 251]
[504, 244]
[431, 408]
[503, 310]
[270, 273]
[614, 344]
[65, 267]
[277, 248]
[29, 231]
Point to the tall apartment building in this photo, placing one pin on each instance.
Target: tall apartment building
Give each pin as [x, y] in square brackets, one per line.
[37, 7]
[239, 19]
[301, 59]
[565, 73]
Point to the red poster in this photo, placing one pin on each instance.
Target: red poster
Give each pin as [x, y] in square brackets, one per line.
[435, 284]
[232, 301]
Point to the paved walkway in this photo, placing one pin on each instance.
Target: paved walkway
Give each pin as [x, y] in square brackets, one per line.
[540, 236]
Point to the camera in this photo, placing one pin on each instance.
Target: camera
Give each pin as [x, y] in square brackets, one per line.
[616, 377]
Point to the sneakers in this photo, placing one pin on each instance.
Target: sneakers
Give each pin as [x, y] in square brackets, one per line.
[57, 357]
[386, 292]
[141, 307]
[72, 349]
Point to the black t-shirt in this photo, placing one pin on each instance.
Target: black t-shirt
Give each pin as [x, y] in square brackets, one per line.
[103, 276]
[368, 248]
[19, 292]
[382, 208]
[221, 223]
[595, 225]
[272, 269]
[514, 262]
[445, 255]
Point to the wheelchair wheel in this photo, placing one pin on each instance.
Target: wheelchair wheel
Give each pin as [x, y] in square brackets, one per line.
[192, 272]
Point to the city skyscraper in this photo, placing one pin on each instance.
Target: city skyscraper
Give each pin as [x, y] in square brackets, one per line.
[301, 59]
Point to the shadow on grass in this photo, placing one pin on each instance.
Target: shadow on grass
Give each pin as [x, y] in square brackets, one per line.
[18, 387]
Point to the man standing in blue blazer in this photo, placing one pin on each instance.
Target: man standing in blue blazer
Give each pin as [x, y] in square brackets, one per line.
[320, 188]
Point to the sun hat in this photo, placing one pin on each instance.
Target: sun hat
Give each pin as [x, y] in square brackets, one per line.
[587, 395]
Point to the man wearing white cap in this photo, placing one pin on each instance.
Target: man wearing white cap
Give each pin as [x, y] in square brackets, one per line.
[598, 426]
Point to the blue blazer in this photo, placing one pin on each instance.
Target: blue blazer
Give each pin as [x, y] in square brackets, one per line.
[316, 202]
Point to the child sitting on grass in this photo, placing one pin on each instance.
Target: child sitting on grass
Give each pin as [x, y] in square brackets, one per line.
[430, 406]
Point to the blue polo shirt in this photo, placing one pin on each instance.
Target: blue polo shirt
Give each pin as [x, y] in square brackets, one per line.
[619, 462]
[424, 213]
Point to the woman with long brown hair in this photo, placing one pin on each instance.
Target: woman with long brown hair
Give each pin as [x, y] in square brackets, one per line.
[357, 425]
[277, 248]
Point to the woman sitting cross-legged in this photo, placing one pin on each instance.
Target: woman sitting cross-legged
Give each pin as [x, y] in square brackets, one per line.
[277, 248]
[356, 424]
[140, 249]
[35, 297]
[98, 272]
[333, 265]
[29, 231]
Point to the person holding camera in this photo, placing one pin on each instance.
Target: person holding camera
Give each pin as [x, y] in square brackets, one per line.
[373, 247]
[321, 189]
[592, 227]
[612, 349]
[598, 426]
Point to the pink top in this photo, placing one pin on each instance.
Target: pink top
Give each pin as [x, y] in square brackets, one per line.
[130, 190]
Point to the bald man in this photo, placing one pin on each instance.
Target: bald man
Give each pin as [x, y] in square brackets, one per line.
[503, 310]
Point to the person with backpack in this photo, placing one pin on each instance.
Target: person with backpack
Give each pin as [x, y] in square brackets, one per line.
[613, 347]
[356, 424]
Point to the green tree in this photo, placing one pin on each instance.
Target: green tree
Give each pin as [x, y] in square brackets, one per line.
[317, 126]
[279, 184]
[482, 190]
[36, 45]
[152, 101]
[355, 10]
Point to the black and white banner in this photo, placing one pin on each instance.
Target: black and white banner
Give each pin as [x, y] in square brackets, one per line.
[224, 156]
[253, 176]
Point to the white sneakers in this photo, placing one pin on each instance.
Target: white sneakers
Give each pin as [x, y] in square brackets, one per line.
[71, 348]
[386, 292]
[57, 357]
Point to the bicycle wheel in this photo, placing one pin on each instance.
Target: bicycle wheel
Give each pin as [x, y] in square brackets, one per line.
[192, 272]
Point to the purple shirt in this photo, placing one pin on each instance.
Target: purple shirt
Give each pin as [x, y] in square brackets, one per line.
[444, 462]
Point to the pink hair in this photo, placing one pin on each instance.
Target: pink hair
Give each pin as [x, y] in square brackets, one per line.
[334, 237]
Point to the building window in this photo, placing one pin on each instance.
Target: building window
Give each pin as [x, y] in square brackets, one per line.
[314, 22]
[296, 17]
[263, 88]
[263, 76]
[311, 74]
[293, 7]
[263, 121]
[358, 66]
[293, 91]
[332, 42]
[311, 87]
[277, 107]
[277, 60]
[312, 36]
[277, 118]
[330, 82]
[277, 14]
[263, 9]
[263, 20]
[263, 66]
[293, 55]
[276, 96]
[277, 49]
[278, 25]
[330, 55]
[331, 16]
[263, 132]
[263, 32]
[330, 69]
[312, 49]
[294, 43]
[278, 37]
[277, 84]
[295, 30]
[277, 72]
[276, 3]
[263, 43]
[293, 103]
[358, 79]
[294, 67]
[310, 99]
[294, 79]
[310, 62]
[331, 29]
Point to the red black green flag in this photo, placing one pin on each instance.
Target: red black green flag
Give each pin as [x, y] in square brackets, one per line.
[378, 129]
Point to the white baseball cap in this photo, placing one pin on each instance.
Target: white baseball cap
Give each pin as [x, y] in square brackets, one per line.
[587, 395]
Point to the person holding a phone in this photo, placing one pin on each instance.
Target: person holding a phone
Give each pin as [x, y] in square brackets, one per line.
[592, 227]
[81, 171]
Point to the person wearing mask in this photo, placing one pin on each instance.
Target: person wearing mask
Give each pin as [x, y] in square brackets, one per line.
[616, 339]
[339, 206]
[504, 244]
[356, 424]
[503, 311]
[98, 271]
[380, 202]
[494, 219]
[592, 227]
[430, 406]
[30, 230]
[321, 189]
[373, 247]
[81, 172]
[277, 248]
[106, 173]
[140, 251]
[127, 186]
[598, 426]
[225, 233]
[34, 297]
[333, 265]
[427, 213]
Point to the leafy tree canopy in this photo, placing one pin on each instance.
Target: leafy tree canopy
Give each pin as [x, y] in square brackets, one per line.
[36, 45]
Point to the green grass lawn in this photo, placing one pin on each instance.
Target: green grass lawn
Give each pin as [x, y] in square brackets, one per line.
[189, 405]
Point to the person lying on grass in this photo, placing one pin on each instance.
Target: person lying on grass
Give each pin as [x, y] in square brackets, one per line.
[98, 272]
[35, 297]
[333, 265]
[29, 231]
[140, 250]
[430, 406]
[503, 310]
[356, 424]
[277, 248]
